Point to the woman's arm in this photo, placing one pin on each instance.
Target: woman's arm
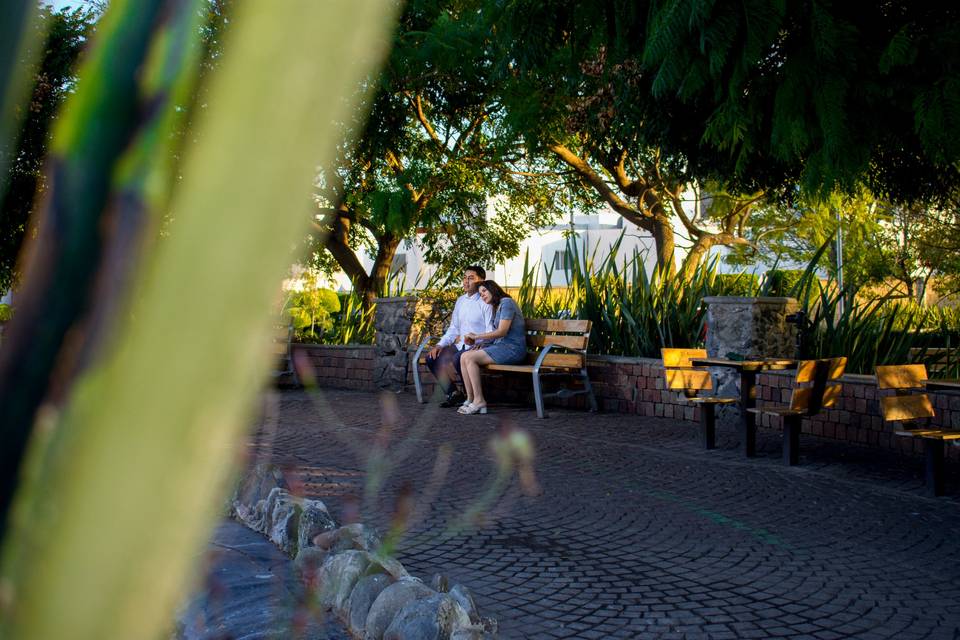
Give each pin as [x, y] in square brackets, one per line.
[499, 332]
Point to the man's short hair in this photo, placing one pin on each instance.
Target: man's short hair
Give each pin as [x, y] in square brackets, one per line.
[477, 270]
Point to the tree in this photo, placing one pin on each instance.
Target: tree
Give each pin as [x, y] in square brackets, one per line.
[63, 35]
[580, 93]
[831, 93]
[431, 157]
[902, 247]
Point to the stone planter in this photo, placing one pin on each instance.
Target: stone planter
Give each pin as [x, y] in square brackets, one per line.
[400, 325]
[747, 327]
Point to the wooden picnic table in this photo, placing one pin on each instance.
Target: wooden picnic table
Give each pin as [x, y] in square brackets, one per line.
[748, 370]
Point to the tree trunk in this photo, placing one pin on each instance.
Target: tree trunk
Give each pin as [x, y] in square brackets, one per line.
[376, 281]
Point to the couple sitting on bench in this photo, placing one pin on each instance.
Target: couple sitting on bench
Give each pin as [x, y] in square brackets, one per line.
[486, 327]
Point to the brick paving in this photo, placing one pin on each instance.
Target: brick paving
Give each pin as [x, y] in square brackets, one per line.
[636, 533]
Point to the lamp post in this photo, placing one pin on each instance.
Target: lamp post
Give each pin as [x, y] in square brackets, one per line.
[840, 260]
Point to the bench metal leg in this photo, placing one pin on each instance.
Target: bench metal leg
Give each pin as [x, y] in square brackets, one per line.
[933, 451]
[708, 425]
[538, 393]
[589, 389]
[417, 384]
[791, 440]
[748, 420]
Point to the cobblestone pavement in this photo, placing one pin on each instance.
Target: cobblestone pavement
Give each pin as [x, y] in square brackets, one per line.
[636, 532]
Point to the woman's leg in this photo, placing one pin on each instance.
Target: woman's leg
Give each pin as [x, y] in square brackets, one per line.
[477, 359]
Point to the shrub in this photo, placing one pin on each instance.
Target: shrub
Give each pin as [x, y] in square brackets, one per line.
[6, 313]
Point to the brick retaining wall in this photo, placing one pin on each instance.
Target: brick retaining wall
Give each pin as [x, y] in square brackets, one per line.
[336, 366]
[636, 386]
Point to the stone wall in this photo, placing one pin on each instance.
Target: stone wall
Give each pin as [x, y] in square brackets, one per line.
[401, 323]
[336, 367]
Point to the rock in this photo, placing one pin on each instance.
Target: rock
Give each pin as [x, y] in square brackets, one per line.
[351, 536]
[431, 618]
[307, 564]
[388, 565]
[314, 520]
[338, 576]
[257, 484]
[464, 598]
[284, 523]
[389, 603]
[440, 583]
[362, 598]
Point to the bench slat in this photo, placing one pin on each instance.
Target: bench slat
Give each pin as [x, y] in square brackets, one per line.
[681, 379]
[569, 342]
[523, 368]
[902, 376]
[554, 325]
[567, 360]
[680, 357]
[899, 408]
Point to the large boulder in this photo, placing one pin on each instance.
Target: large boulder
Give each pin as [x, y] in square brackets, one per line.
[351, 536]
[390, 602]
[431, 618]
[366, 591]
[338, 576]
[285, 523]
[257, 484]
[314, 520]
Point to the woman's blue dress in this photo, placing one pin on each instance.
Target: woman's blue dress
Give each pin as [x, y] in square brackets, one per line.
[511, 348]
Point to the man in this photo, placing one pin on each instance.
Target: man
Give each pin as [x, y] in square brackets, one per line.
[470, 315]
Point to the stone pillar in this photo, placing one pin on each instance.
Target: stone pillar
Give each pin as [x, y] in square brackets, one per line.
[750, 327]
[400, 325]
[742, 327]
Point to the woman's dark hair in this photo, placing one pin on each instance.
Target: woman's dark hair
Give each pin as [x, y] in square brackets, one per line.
[496, 293]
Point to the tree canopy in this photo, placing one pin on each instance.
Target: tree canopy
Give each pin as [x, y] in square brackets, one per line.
[833, 94]
[432, 155]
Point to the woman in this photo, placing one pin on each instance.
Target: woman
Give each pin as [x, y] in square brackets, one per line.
[509, 344]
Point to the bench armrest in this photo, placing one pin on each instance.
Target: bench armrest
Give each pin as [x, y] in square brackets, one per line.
[540, 357]
[423, 345]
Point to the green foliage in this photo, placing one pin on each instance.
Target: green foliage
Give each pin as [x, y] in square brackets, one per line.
[6, 313]
[311, 311]
[829, 93]
[783, 282]
[736, 284]
[869, 332]
[633, 314]
[352, 324]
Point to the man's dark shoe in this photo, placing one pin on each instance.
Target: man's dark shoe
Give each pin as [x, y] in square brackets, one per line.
[454, 399]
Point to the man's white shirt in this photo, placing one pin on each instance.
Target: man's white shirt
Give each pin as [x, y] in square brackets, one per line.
[470, 315]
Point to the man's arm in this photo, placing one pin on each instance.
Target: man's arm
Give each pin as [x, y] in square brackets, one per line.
[452, 332]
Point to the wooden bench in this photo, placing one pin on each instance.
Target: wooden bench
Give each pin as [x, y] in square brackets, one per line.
[911, 407]
[555, 348]
[683, 377]
[816, 387]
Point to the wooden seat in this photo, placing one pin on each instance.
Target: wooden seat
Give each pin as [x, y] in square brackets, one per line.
[681, 376]
[906, 403]
[555, 348]
[816, 386]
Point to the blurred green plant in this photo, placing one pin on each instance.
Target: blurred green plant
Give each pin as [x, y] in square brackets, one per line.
[6, 313]
[94, 314]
